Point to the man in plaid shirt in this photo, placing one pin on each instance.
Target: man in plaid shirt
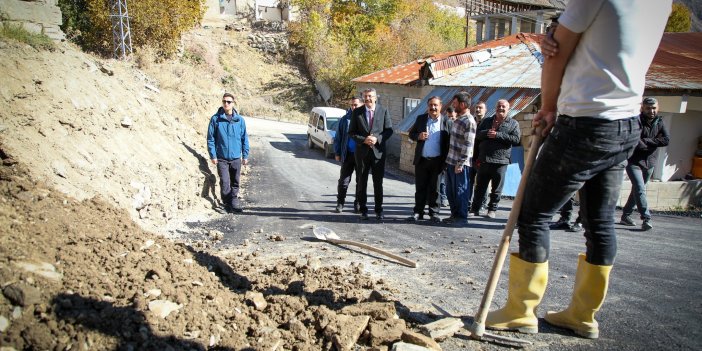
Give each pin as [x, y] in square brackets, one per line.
[458, 161]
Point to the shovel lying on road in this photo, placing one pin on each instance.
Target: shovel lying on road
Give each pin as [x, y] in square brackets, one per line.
[326, 234]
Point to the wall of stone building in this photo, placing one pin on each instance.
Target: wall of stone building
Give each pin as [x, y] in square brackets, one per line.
[36, 16]
[407, 153]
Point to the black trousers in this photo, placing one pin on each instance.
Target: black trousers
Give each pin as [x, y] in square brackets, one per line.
[426, 174]
[364, 165]
[347, 168]
[229, 176]
[489, 173]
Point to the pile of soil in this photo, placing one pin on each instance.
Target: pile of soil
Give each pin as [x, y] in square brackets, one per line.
[82, 275]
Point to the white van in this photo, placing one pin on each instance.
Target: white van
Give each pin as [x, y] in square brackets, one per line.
[321, 128]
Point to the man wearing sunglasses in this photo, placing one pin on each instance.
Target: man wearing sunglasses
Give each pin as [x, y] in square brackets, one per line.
[228, 146]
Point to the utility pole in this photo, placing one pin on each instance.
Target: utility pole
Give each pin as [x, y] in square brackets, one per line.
[467, 23]
[121, 34]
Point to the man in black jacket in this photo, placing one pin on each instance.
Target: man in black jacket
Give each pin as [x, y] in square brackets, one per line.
[344, 149]
[370, 128]
[496, 135]
[641, 164]
[431, 132]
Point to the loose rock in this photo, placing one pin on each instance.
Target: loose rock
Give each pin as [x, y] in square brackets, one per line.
[22, 294]
[163, 308]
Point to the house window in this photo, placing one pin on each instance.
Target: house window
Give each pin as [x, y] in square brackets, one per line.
[410, 104]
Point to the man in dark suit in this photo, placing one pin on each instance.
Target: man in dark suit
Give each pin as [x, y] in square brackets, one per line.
[370, 128]
[345, 148]
[431, 132]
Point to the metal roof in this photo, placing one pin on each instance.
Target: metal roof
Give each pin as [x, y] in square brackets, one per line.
[502, 67]
[439, 65]
[404, 74]
[519, 99]
[678, 63]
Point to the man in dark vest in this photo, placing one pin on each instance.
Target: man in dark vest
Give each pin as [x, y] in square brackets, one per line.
[431, 132]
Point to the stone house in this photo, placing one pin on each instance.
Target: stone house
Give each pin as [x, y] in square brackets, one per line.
[219, 11]
[507, 68]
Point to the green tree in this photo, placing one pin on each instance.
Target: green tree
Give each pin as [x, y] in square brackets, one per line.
[344, 39]
[679, 19]
[155, 23]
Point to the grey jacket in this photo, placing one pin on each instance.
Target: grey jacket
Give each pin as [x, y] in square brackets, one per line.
[498, 150]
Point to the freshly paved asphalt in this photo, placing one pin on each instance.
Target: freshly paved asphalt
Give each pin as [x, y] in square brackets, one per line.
[654, 301]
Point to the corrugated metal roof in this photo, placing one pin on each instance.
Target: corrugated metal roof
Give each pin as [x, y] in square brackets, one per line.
[514, 67]
[678, 63]
[519, 99]
[446, 62]
[404, 74]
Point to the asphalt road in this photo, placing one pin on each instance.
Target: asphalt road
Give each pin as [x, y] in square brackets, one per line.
[654, 301]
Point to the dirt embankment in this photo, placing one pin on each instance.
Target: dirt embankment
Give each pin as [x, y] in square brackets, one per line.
[136, 137]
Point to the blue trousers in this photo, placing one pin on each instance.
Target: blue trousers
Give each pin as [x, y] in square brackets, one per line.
[580, 153]
[639, 176]
[458, 191]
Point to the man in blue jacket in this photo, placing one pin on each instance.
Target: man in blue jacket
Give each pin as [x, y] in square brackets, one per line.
[228, 146]
[344, 148]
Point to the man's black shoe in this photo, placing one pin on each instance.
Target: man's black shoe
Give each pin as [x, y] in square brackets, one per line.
[379, 216]
[339, 208]
[434, 219]
[414, 217]
[364, 216]
[575, 227]
[562, 223]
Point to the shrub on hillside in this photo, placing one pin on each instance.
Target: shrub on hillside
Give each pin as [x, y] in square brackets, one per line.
[155, 23]
[18, 33]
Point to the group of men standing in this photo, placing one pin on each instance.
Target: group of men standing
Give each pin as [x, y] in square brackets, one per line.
[445, 147]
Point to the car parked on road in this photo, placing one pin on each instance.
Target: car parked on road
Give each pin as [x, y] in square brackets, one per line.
[321, 128]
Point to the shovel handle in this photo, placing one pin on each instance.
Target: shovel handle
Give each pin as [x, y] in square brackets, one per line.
[374, 249]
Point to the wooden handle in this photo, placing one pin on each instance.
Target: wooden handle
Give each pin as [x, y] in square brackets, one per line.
[479, 320]
[374, 249]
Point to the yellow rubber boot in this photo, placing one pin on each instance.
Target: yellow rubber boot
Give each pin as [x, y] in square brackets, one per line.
[591, 283]
[527, 284]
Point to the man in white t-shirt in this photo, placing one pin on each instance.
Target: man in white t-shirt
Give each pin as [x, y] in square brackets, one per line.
[595, 81]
